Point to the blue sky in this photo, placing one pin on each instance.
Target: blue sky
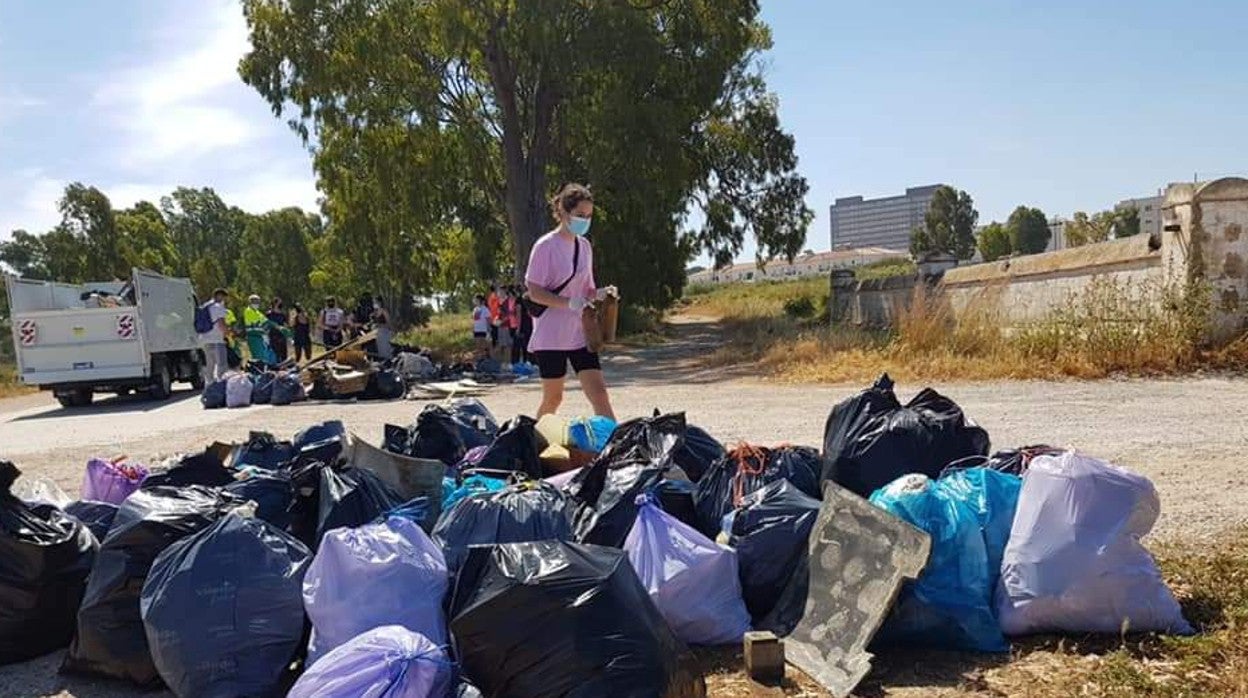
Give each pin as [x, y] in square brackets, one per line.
[1062, 105]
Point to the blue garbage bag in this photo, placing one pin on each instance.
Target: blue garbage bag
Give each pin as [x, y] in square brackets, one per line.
[591, 434]
[272, 492]
[386, 661]
[213, 396]
[471, 485]
[692, 580]
[968, 515]
[384, 573]
[222, 609]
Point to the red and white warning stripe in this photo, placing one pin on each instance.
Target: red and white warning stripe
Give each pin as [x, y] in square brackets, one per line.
[125, 326]
[28, 331]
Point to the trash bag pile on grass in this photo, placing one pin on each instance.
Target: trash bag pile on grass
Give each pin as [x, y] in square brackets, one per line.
[110, 640]
[384, 573]
[520, 512]
[968, 515]
[1074, 562]
[111, 481]
[638, 456]
[223, 609]
[770, 531]
[550, 618]
[45, 557]
[691, 580]
[748, 469]
[871, 439]
[386, 662]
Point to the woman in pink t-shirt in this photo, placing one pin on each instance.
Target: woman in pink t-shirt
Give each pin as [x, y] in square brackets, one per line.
[560, 276]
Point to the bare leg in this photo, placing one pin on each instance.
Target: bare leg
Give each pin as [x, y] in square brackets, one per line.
[595, 386]
[552, 396]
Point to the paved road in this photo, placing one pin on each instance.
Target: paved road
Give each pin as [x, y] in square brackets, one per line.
[1189, 436]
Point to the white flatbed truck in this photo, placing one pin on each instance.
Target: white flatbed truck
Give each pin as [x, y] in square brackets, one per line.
[110, 337]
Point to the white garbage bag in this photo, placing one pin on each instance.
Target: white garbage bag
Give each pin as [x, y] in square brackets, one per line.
[1074, 562]
[238, 391]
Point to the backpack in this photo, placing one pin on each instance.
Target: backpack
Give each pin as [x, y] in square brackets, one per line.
[203, 319]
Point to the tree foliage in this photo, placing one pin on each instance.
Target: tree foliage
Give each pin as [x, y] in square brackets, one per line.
[1083, 229]
[1028, 230]
[276, 260]
[994, 242]
[443, 115]
[948, 226]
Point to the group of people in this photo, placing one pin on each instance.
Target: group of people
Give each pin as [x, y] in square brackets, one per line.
[272, 333]
[501, 326]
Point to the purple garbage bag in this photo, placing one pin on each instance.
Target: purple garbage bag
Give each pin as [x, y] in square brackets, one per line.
[110, 482]
[386, 662]
[384, 573]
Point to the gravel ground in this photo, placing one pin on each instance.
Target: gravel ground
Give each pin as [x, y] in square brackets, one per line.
[1187, 435]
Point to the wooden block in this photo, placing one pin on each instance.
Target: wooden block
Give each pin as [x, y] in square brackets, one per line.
[764, 657]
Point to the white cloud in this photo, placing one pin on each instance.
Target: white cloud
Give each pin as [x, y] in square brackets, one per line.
[177, 105]
[34, 208]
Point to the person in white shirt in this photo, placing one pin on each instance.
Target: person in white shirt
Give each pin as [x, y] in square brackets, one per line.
[331, 322]
[216, 359]
[481, 326]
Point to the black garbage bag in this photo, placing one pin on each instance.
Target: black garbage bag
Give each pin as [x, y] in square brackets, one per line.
[637, 457]
[550, 618]
[262, 388]
[325, 443]
[352, 497]
[698, 453]
[305, 510]
[45, 557]
[470, 411]
[518, 513]
[199, 469]
[747, 470]
[213, 396]
[385, 384]
[515, 449]
[288, 389]
[263, 450]
[223, 609]
[871, 439]
[1014, 461]
[770, 532]
[272, 492]
[676, 498]
[437, 435]
[110, 640]
[96, 516]
[395, 439]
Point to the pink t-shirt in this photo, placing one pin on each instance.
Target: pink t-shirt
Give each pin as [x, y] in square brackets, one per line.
[550, 264]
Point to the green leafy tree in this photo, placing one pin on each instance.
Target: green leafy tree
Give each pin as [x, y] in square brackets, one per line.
[144, 240]
[948, 226]
[994, 242]
[1083, 229]
[26, 255]
[1028, 230]
[437, 113]
[87, 216]
[1128, 221]
[276, 260]
[202, 225]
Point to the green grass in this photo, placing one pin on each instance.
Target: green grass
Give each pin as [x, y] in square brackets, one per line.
[886, 268]
[448, 336]
[9, 384]
[758, 299]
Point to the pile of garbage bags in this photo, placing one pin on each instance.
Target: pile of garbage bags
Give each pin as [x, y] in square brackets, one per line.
[460, 558]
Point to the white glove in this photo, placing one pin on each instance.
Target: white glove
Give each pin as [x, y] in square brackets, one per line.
[576, 304]
[608, 292]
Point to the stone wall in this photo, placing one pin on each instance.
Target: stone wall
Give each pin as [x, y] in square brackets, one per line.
[1204, 238]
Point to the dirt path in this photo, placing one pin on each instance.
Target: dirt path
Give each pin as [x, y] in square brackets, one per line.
[1189, 436]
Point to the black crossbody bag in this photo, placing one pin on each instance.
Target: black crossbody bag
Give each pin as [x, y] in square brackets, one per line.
[536, 309]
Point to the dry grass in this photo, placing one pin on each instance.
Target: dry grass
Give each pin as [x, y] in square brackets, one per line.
[1110, 329]
[9, 385]
[448, 336]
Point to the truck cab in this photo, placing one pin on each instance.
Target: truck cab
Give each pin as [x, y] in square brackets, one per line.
[108, 337]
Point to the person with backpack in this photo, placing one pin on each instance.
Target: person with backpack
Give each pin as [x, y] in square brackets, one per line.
[211, 328]
[560, 280]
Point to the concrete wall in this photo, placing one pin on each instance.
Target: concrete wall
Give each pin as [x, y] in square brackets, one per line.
[1204, 238]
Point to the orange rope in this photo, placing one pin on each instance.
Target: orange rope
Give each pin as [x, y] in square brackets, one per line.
[750, 460]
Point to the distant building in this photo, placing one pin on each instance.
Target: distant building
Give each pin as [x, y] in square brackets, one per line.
[815, 264]
[1149, 208]
[886, 222]
[1057, 234]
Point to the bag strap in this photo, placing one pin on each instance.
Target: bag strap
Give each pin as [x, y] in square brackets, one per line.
[576, 258]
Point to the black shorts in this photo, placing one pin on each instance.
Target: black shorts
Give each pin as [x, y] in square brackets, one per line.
[480, 335]
[554, 364]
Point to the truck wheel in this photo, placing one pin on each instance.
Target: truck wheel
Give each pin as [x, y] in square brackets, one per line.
[162, 382]
[197, 370]
[78, 397]
[197, 382]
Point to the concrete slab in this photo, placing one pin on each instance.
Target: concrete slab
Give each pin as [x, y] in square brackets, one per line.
[859, 557]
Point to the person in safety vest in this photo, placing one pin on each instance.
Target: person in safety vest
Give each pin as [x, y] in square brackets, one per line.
[257, 324]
